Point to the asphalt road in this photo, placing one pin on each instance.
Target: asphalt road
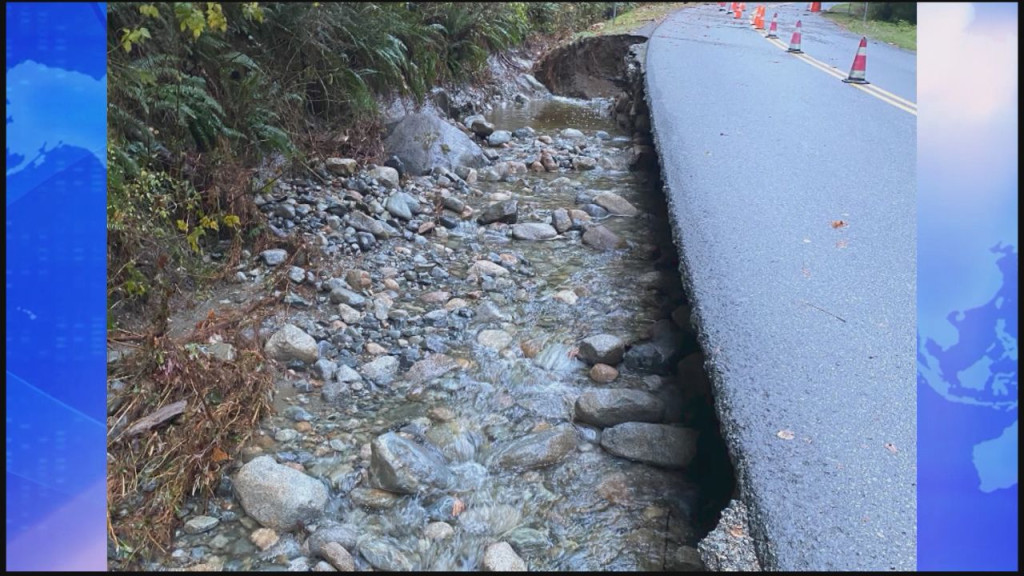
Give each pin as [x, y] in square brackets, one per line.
[793, 199]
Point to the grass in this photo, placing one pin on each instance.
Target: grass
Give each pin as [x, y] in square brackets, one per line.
[632, 20]
[851, 17]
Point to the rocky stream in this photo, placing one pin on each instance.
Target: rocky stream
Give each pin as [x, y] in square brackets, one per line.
[486, 367]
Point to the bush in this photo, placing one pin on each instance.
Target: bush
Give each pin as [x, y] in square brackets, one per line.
[893, 11]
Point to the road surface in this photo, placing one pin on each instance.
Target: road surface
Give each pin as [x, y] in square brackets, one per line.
[792, 196]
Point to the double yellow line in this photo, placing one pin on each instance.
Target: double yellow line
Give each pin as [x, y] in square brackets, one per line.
[883, 95]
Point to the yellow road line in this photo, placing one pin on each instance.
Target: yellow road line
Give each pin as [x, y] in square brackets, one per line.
[883, 95]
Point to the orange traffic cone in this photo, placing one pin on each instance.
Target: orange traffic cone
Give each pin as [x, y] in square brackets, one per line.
[721, 6]
[794, 43]
[815, 6]
[774, 27]
[737, 12]
[860, 65]
[759, 18]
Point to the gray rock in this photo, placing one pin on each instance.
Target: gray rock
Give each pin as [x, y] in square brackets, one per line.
[533, 231]
[495, 339]
[601, 238]
[524, 133]
[200, 524]
[572, 134]
[499, 137]
[277, 496]
[603, 349]
[655, 444]
[274, 257]
[338, 557]
[386, 175]
[222, 351]
[380, 371]
[384, 553]
[431, 367]
[333, 390]
[344, 534]
[615, 204]
[481, 127]
[348, 314]
[347, 374]
[536, 450]
[365, 223]
[506, 211]
[583, 163]
[528, 540]
[657, 356]
[291, 343]
[341, 166]
[594, 211]
[324, 369]
[296, 274]
[500, 557]
[403, 466]
[285, 435]
[397, 205]
[424, 140]
[438, 531]
[345, 296]
[561, 221]
[487, 268]
[608, 407]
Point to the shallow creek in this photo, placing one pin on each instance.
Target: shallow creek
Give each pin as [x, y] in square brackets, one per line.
[589, 509]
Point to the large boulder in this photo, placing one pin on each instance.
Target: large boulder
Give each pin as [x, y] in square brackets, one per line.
[423, 140]
[277, 496]
[400, 465]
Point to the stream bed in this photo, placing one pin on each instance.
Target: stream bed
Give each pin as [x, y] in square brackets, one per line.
[460, 406]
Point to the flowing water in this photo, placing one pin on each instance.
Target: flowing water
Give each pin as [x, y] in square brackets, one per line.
[590, 510]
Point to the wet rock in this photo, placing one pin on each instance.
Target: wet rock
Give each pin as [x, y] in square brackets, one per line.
[438, 531]
[344, 534]
[365, 223]
[583, 163]
[200, 524]
[386, 175]
[601, 238]
[615, 204]
[341, 166]
[496, 339]
[431, 367]
[506, 211]
[561, 221]
[384, 553]
[602, 348]
[604, 408]
[423, 141]
[558, 358]
[500, 557]
[291, 343]
[524, 133]
[579, 219]
[536, 450]
[264, 538]
[567, 296]
[528, 540]
[685, 559]
[277, 496]
[323, 566]
[603, 373]
[571, 134]
[499, 137]
[481, 127]
[380, 371]
[495, 519]
[400, 465]
[487, 268]
[655, 444]
[533, 231]
[338, 557]
[373, 499]
[655, 356]
[681, 317]
[274, 257]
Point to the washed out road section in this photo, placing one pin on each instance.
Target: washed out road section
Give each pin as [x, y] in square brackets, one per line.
[792, 198]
